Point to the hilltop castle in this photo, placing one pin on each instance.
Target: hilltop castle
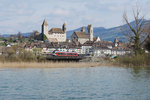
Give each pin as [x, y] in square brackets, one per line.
[59, 34]
[54, 34]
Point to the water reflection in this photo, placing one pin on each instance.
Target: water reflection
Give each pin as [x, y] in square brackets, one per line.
[139, 72]
[96, 83]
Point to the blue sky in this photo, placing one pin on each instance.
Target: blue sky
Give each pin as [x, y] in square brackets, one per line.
[28, 15]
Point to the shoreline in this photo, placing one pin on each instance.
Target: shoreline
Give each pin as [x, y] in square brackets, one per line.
[51, 64]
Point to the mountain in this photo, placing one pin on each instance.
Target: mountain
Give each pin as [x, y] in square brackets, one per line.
[103, 33]
[23, 34]
[108, 34]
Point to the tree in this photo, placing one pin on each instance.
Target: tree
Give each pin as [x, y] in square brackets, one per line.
[36, 34]
[44, 37]
[19, 36]
[147, 45]
[136, 33]
[11, 38]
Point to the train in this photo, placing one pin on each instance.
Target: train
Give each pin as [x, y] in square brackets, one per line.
[65, 54]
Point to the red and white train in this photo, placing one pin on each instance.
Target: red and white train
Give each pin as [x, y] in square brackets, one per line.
[63, 53]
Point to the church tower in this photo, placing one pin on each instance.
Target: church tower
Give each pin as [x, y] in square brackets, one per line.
[82, 29]
[45, 28]
[90, 32]
[64, 27]
[116, 42]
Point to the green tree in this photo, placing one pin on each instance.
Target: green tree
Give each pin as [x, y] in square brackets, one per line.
[44, 37]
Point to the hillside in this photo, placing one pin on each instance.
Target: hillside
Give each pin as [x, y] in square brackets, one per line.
[108, 34]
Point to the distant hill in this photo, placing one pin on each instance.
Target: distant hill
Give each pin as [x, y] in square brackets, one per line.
[108, 34]
[23, 34]
[103, 33]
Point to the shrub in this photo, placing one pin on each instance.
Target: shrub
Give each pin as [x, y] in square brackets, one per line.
[138, 60]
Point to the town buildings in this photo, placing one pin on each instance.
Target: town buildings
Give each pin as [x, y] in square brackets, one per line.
[83, 42]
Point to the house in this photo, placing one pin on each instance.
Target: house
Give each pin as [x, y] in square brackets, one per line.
[87, 47]
[96, 39]
[120, 51]
[108, 44]
[101, 51]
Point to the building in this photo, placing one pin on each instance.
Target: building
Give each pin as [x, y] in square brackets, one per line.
[54, 34]
[82, 36]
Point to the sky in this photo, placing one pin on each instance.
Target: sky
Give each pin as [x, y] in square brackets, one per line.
[28, 15]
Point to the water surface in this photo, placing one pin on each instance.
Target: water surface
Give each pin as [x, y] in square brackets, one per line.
[95, 83]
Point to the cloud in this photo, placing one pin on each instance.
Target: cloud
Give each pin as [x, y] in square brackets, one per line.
[61, 12]
[26, 16]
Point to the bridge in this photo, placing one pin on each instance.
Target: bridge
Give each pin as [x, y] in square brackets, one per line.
[64, 58]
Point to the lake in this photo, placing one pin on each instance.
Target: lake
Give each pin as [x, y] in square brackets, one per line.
[95, 83]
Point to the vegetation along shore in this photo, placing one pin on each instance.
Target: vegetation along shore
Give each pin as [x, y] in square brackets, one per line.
[50, 64]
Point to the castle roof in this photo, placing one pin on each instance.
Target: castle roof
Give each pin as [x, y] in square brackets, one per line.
[45, 22]
[64, 24]
[116, 40]
[55, 30]
[89, 26]
[81, 34]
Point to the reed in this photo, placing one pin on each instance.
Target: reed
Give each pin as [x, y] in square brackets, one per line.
[47, 64]
[138, 60]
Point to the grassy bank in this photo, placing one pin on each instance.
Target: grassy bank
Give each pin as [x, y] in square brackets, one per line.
[49, 64]
[136, 61]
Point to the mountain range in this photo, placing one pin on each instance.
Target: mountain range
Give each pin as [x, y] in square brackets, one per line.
[108, 34]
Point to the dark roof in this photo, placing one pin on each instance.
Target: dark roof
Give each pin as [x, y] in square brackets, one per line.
[81, 34]
[105, 42]
[88, 43]
[55, 30]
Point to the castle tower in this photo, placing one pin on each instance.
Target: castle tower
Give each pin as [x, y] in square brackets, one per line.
[90, 32]
[45, 28]
[82, 29]
[64, 27]
[116, 42]
[64, 30]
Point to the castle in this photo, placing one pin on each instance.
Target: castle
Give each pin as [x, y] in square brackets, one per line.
[54, 34]
[59, 34]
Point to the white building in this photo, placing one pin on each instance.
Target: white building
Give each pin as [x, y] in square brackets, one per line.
[54, 34]
[101, 51]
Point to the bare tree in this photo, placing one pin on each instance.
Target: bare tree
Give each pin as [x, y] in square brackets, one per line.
[135, 32]
[147, 40]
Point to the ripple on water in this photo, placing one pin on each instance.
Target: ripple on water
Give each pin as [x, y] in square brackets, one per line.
[96, 83]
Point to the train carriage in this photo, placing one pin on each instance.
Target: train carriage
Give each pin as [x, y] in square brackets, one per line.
[66, 54]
